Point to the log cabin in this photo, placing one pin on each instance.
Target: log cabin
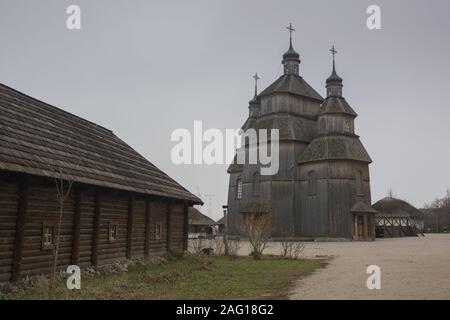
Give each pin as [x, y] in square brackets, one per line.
[120, 206]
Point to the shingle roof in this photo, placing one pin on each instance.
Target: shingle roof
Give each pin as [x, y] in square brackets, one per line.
[335, 147]
[336, 105]
[198, 218]
[290, 127]
[361, 207]
[292, 83]
[37, 138]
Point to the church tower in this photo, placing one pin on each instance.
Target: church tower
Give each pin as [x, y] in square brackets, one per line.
[321, 189]
[335, 171]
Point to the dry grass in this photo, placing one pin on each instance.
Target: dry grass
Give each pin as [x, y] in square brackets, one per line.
[191, 277]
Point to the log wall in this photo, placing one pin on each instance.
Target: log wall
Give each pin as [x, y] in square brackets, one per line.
[29, 203]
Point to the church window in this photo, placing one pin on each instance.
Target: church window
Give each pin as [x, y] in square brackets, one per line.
[239, 189]
[346, 126]
[312, 183]
[323, 125]
[256, 182]
[359, 183]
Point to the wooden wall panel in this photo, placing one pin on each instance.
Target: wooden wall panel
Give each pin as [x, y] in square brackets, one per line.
[43, 207]
[9, 197]
[114, 209]
[158, 215]
[138, 238]
[86, 227]
[176, 230]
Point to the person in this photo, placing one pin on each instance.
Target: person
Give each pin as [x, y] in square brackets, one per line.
[213, 232]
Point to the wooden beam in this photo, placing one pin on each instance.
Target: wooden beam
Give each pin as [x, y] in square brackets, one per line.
[185, 225]
[147, 227]
[169, 228]
[130, 227]
[20, 227]
[96, 231]
[76, 227]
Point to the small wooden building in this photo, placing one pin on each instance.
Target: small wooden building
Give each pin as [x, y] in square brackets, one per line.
[199, 224]
[120, 206]
[397, 218]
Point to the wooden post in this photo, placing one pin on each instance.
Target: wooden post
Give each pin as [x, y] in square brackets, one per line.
[76, 227]
[20, 227]
[147, 227]
[225, 230]
[355, 217]
[130, 227]
[366, 227]
[169, 229]
[185, 226]
[96, 235]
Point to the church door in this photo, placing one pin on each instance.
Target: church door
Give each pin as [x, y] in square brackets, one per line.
[360, 233]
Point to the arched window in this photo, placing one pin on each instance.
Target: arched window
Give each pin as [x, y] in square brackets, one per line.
[312, 183]
[239, 189]
[359, 183]
[255, 185]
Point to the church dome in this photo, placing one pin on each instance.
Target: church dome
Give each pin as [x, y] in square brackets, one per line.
[334, 77]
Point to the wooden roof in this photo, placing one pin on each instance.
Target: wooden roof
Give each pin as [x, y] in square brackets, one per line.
[336, 105]
[396, 208]
[198, 218]
[40, 139]
[335, 147]
[294, 84]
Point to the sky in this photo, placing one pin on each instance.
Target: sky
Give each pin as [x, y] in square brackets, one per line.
[145, 68]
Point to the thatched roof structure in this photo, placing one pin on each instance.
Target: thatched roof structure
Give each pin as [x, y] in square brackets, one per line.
[394, 207]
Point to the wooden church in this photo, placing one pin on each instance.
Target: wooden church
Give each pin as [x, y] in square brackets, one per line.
[322, 187]
[120, 205]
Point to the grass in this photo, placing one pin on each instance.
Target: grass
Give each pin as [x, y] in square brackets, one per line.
[190, 277]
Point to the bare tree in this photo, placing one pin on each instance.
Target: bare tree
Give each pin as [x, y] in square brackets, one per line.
[63, 183]
[257, 228]
[63, 188]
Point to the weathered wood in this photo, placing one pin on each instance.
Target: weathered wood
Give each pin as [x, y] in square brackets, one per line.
[96, 230]
[130, 227]
[185, 225]
[147, 227]
[20, 227]
[76, 226]
[169, 230]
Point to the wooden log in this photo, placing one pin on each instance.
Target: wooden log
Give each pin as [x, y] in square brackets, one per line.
[96, 229]
[169, 230]
[130, 227]
[76, 227]
[20, 227]
[185, 226]
[147, 227]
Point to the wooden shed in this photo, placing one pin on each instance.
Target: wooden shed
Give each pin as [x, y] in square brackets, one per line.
[120, 205]
[397, 218]
[199, 224]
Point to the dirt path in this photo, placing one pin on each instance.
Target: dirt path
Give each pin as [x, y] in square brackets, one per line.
[411, 268]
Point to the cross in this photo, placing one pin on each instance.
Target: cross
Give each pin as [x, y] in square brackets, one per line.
[333, 52]
[291, 29]
[256, 82]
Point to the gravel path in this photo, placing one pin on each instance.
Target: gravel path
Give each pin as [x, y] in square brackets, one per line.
[411, 268]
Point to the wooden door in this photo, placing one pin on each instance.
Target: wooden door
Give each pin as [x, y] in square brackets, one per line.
[360, 230]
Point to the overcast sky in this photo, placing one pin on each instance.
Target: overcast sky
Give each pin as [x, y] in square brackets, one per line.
[145, 68]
